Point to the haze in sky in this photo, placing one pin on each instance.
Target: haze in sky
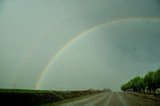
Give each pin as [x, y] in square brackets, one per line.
[77, 44]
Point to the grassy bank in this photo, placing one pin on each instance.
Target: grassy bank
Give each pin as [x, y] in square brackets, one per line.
[36, 97]
[146, 95]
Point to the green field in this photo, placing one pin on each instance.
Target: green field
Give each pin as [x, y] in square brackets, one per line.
[37, 97]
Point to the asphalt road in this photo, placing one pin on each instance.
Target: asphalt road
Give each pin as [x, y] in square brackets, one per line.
[112, 99]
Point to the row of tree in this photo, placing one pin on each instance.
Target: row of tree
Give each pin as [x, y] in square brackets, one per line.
[150, 82]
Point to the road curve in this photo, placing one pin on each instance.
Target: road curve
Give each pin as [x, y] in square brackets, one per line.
[112, 99]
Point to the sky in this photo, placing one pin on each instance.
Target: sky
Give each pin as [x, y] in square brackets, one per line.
[77, 44]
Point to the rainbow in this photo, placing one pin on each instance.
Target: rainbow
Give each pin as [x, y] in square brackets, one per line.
[82, 34]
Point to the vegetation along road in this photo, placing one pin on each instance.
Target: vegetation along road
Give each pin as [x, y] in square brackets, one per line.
[113, 99]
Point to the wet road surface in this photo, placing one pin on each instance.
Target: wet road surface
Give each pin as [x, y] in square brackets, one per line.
[112, 99]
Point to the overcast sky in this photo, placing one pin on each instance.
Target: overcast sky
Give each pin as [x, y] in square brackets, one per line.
[77, 44]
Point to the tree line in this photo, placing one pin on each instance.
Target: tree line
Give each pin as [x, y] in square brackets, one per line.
[150, 82]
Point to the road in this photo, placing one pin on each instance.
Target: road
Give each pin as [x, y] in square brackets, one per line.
[112, 99]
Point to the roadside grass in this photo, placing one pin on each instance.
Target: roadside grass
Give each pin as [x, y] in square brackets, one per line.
[38, 97]
[146, 95]
[66, 101]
